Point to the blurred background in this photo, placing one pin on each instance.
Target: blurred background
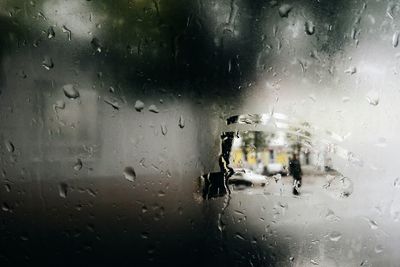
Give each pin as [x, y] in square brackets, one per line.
[112, 113]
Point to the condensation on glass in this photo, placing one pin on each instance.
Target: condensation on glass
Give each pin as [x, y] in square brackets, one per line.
[149, 132]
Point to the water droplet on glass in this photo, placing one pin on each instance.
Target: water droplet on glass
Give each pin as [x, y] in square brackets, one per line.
[41, 15]
[335, 236]
[396, 183]
[70, 91]
[67, 31]
[47, 63]
[60, 104]
[96, 45]
[345, 99]
[161, 193]
[129, 174]
[24, 237]
[291, 259]
[284, 10]
[144, 235]
[378, 249]
[50, 32]
[239, 236]
[314, 262]
[381, 142]
[142, 162]
[153, 108]
[277, 177]
[144, 209]
[9, 146]
[373, 224]
[5, 207]
[331, 216]
[22, 74]
[221, 224]
[63, 190]
[181, 122]
[351, 70]
[7, 187]
[309, 27]
[395, 39]
[139, 105]
[373, 97]
[164, 129]
[78, 165]
[339, 186]
[112, 102]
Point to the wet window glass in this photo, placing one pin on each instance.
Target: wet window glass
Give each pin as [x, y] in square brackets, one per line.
[199, 133]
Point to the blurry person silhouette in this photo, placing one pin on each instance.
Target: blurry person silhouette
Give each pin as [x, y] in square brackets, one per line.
[295, 171]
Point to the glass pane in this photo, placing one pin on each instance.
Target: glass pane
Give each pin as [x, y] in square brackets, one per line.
[199, 133]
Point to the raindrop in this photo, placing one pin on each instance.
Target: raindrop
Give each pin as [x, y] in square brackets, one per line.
[181, 122]
[335, 236]
[142, 162]
[277, 177]
[60, 104]
[96, 45]
[24, 237]
[139, 105]
[153, 108]
[378, 249]
[339, 186]
[161, 193]
[331, 216]
[284, 10]
[7, 187]
[164, 129]
[314, 262]
[221, 224]
[395, 39]
[129, 174]
[389, 11]
[78, 165]
[22, 74]
[145, 235]
[50, 32]
[40, 14]
[309, 27]
[67, 31]
[112, 102]
[47, 63]
[351, 70]
[396, 183]
[239, 236]
[5, 207]
[9, 146]
[70, 91]
[63, 190]
[373, 224]
[345, 99]
[291, 259]
[373, 98]
[144, 209]
[381, 142]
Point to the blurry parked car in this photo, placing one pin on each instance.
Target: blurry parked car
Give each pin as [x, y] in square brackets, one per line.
[274, 168]
[247, 177]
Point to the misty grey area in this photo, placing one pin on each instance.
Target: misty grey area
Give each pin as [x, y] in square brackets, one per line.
[111, 113]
